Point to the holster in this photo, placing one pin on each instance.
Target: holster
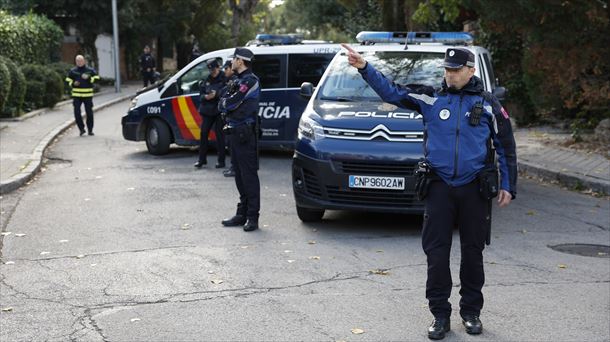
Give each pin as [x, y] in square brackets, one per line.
[488, 183]
[424, 175]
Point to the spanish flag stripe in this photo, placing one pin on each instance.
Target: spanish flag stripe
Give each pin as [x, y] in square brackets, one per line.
[188, 118]
[196, 115]
[186, 134]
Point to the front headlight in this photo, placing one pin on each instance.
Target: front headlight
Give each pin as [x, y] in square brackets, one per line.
[133, 103]
[310, 129]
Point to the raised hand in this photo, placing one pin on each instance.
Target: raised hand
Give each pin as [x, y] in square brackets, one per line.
[354, 58]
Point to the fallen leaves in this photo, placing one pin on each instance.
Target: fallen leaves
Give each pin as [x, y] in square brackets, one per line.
[19, 235]
[7, 309]
[134, 320]
[217, 281]
[379, 272]
[45, 253]
[562, 266]
[186, 226]
[315, 257]
[357, 331]
[5, 233]
[311, 242]
[9, 263]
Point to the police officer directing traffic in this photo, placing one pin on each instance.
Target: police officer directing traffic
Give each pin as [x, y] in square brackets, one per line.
[147, 67]
[240, 103]
[460, 121]
[81, 79]
[210, 93]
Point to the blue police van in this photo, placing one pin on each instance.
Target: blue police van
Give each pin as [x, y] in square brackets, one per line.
[356, 152]
[167, 112]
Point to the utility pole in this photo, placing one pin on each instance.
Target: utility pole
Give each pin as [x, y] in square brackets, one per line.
[115, 40]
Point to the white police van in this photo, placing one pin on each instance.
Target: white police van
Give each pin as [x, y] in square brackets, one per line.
[356, 152]
[167, 112]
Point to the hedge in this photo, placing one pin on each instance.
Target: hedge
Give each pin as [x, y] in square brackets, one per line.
[52, 86]
[14, 101]
[5, 85]
[29, 38]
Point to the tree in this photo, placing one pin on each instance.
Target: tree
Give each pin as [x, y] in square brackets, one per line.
[242, 11]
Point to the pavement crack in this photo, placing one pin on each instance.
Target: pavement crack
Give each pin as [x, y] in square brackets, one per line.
[6, 220]
[105, 253]
[93, 323]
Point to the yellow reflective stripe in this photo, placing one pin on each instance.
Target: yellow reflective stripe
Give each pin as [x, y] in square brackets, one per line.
[82, 90]
[69, 80]
[81, 95]
[94, 78]
[189, 120]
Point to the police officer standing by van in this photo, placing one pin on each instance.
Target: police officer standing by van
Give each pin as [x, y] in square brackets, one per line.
[240, 103]
[81, 79]
[460, 121]
[210, 93]
[230, 77]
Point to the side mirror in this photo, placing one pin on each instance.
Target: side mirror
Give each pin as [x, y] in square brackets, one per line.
[306, 89]
[500, 93]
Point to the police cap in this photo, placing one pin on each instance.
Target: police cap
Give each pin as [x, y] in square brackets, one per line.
[227, 64]
[243, 53]
[213, 64]
[456, 58]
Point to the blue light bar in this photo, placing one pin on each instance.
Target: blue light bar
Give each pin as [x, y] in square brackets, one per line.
[367, 37]
[280, 39]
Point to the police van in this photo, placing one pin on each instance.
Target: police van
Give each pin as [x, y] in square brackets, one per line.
[167, 112]
[356, 152]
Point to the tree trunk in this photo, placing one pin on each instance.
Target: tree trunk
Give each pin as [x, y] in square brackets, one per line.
[242, 12]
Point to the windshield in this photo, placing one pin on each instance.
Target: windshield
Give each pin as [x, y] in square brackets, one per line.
[344, 83]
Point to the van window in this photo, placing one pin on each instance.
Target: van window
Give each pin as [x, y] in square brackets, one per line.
[306, 68]
[271, 70]
[344, 83]
[189, 82]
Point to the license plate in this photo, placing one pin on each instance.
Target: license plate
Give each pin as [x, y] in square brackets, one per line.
[376, 182]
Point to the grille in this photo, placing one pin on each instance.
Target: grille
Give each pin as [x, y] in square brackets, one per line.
[312, 185]
[386, 169]
[372, 197]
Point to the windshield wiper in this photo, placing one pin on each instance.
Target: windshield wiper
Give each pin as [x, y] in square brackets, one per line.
[338, 99]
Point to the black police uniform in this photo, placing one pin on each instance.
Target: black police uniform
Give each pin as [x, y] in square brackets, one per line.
[147, 66]
[240, 103]
[230, 172]
[210, 116]
[81, 80]
[459, 127]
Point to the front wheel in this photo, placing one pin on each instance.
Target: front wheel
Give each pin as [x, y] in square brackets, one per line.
[309, 215]
[158, 137]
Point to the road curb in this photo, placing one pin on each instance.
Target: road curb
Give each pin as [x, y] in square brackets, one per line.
[47, 109]
[34, 163]
[565, 178]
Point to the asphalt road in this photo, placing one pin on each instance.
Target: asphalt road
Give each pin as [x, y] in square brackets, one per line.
[122, 245]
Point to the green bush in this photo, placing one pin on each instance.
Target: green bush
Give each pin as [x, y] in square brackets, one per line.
[5, 85]
[52, 86]
[62, 69]
[14, 102]
[33, 95]
[29, 38]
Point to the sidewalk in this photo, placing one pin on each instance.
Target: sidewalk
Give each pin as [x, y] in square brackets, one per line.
[572, 168]
[23, 140]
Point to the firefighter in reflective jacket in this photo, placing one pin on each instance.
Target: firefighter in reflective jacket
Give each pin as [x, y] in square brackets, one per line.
[240, 103]
[460, 121]
[81, 79]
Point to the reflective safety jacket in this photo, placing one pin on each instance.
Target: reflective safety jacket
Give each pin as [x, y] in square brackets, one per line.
[240, 102]
[81, 80]
[456, 150]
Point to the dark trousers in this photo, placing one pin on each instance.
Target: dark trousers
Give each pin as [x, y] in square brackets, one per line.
[244, 153]
[207, 123]
[446, 208]
[148, 78]
[88, 102]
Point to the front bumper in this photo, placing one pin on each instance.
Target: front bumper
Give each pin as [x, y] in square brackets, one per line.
[131, 128]
[323, 184]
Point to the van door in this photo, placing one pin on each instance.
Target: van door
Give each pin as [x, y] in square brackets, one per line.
[274, 105]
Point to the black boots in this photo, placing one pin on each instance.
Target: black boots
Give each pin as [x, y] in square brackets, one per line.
[237, 220]
[438, 328]
[251, 225]
[472, 324]
[199, 164]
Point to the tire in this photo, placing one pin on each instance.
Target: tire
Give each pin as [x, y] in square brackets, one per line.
[309, 215]
[158, 137]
